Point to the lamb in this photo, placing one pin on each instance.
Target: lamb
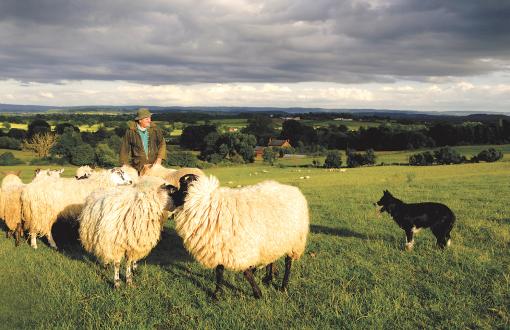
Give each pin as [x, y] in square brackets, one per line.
[125, 222]
[10, 200]
[240, 229]
[44, 203]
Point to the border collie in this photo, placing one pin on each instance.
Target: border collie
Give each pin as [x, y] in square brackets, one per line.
[413, 217]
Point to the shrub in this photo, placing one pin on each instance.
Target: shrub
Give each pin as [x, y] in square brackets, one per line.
[269, 156]
[182, 158]
[448, 155]
[421, 159]
[7, 158]
[333, 159]
[9, 143]
[355, 159]
[490, 155]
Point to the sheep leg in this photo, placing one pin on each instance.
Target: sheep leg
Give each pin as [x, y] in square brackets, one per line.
[51, 241]
[8, 233]
[135, 266]
[116, 275]
[219, 281]
[18, 233]
[248, 274]
[33, 240]
[129, 274]
[288, 263]
[269, 274]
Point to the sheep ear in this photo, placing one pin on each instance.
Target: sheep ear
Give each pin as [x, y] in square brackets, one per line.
[188, 178]
[18, 172]
[169, 188]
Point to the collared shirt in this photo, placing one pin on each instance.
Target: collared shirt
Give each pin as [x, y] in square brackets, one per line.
[144, 135]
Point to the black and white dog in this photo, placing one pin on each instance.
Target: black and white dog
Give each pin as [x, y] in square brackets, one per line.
[413, 217]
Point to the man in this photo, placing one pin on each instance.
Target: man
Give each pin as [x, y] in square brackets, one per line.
[143, 142]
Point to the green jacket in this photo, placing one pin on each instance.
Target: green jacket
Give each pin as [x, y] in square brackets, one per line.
[132, 147]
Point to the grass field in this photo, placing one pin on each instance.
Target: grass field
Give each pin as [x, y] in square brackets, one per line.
[354, 273]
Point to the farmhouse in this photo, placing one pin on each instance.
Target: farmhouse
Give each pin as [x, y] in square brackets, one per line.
[259, 150]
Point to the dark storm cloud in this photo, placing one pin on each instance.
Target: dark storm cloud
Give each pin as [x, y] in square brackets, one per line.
[251, 41]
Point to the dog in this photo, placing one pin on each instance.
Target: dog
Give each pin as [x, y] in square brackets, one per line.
[413, 217]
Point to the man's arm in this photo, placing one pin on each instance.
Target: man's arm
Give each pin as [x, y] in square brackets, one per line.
[124, 150]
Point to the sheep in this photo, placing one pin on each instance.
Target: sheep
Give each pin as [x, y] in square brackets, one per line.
[83, 172]
[174, 177]
[125, 222]
[44, 203]
[131, 171]
[240, 229]
[156, 170]
[10, 200]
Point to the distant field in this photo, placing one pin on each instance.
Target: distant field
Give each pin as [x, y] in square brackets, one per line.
[354, 273]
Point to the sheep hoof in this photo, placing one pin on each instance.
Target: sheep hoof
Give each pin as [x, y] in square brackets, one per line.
[257, 294]
[284, 289]
[267, 280]
[116, 285]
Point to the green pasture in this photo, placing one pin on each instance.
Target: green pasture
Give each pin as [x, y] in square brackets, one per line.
[354, 273]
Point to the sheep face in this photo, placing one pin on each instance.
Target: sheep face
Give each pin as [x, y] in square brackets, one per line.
[178, 196]
[119, 177]
[39, 173]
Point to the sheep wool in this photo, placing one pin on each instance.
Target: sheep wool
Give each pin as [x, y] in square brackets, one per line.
[124, 222]
[44, 203]
[244, 227]
[10, 204]
[173, 177]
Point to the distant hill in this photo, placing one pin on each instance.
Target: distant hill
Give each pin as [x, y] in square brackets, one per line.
[385, 113]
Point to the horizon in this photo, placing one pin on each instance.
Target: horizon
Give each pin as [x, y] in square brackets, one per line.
[356, 54]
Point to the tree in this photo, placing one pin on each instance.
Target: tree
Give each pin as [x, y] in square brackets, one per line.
[262, 127]
[40, 143]
[489, 155]
[421, 159]
[333, 159]
[83, 154]
[193, 137]
[269, 156]
[448, 155]
[59, 129]
[105, 156]
[65, 144]
[38, 126]
[296, 132]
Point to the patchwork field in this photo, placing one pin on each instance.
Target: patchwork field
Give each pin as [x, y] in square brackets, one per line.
[354, 274]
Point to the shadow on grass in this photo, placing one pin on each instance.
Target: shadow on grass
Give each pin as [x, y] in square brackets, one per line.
[343, 232]
[316, 229]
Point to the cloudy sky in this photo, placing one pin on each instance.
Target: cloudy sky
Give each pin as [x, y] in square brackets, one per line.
[391, 54]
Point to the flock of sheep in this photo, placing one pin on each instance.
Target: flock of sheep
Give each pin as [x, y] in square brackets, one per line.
[120, 216]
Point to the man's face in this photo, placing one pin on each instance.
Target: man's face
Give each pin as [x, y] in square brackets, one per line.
[145, 122]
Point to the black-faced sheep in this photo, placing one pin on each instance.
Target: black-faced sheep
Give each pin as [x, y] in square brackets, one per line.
[240, 229]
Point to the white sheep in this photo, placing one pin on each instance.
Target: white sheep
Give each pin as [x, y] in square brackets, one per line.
[43, 203]
[125, 222]
[10, 200]
[83, 172]
[240, 229]
[156, 170]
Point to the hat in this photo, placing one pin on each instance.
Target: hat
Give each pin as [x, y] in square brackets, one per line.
[142, 113]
